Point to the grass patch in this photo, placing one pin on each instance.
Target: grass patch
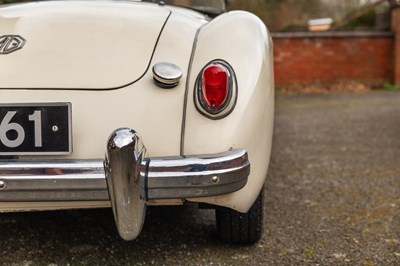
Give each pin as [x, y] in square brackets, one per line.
[391, 87]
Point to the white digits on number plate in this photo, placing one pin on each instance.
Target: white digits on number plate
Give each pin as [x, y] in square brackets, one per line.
[6, 126]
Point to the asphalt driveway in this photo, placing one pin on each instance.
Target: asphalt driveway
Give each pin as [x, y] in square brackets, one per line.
[334, 184]
[332, 198]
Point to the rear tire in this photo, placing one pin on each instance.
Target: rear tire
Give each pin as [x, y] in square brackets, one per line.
[241, 228]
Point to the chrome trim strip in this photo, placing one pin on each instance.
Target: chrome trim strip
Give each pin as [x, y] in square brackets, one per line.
[185, 99]
[72, 180]
[197, 176]
[162, 178]
[180, 177]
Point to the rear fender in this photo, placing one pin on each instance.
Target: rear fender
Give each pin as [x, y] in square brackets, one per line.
[243, 41]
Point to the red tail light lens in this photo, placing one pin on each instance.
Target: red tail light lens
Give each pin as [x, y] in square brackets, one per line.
[216, 93]
[214, 85]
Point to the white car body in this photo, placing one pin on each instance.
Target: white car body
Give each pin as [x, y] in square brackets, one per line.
[98, 56]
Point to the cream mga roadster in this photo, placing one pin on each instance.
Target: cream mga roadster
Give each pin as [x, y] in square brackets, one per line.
[127, 104]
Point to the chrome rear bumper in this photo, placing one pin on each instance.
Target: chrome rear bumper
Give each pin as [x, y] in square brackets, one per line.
[126, 177]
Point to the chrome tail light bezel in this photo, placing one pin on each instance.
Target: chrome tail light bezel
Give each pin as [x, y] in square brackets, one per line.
[230, 102]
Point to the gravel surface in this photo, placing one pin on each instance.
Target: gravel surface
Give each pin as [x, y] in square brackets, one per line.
[332, 198]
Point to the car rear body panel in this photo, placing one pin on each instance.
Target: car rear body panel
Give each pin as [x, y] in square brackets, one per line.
[79, 45]
[155, 113]
[110, 84]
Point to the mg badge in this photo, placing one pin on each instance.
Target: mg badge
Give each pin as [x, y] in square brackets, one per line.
[11, 43]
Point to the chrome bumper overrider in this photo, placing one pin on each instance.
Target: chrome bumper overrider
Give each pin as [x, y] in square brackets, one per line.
[126, 177]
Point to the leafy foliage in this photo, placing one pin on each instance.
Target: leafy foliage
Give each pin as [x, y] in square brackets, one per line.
[283, 15]
[292, 15]
[365, 21]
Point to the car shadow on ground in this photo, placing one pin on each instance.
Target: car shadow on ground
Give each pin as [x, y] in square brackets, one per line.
[49, 236]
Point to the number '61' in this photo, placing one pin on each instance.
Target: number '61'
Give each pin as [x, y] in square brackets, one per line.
[6, 126]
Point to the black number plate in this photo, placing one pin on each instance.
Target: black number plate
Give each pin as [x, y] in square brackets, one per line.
[35, 129]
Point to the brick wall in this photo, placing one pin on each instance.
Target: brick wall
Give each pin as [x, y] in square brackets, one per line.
[395, 25]
[328, 57]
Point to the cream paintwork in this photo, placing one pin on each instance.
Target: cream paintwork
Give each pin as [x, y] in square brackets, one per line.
[247, 46]
[90, 45]
[153, 112]
[237, 37]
